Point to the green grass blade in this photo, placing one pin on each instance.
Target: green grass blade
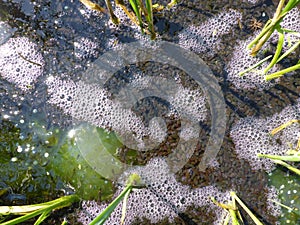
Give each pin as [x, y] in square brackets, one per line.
[291, 168]
[49, 206]
[253, 217]
[132, 181]
[149, 18]
[293, 48]
[136, 9]
[290, 158]
[234, 218]
[278, 49]
[65, 222]
[282, 205]
[282, 72]
[255, 65]
[290, 5]
[263, 32]
[102, 217]
[42, 217]
[124, 206]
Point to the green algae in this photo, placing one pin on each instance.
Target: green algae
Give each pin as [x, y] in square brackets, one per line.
[288, 186]
[70, 165]
[38, 164]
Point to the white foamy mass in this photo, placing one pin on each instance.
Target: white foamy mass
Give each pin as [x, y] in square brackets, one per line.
[205, 38]
[163, 197]
[242, 60]
[92, 103]
[252, 136]
[20, 62]
[85, 48]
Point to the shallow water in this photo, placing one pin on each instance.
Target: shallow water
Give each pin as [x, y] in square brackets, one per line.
[39, 157]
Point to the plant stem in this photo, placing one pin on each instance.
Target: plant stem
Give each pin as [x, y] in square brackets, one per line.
[253, 217]
[47, 207]
[255, 65]
[290, 158]
[278, 49]
[295, 170]
[103, 216]
[133, 180]
[283, 126]
[282, 72]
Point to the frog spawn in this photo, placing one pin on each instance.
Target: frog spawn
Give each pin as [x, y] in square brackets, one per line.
[20, 62]
[206, 37]
[252, 136]
[163, 197]
[93, 104]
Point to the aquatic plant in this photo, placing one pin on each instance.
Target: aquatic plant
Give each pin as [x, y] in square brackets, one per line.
[134, 180]
[245, 71]
[251, 136]
[161, 198]
[287, 186]
[42, 210]
[292, 155]
[275, 24]
[233, 212]
[241, 60]
[68, 163]
[141, 13]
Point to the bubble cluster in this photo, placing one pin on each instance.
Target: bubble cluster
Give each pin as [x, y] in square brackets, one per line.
[206, 37]
[242, 60]
[85, 48]
[252, 136]
[273, 208]
[251, 1]
[91, 103]
[20, 62]
[163, 197]
[190, 103]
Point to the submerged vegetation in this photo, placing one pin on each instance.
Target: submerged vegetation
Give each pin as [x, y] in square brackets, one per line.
[284, 35]
[140, 13]
[292, 155]
[79, 180]
[42, 210]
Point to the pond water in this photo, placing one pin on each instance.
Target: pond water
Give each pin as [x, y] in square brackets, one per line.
[85, 102]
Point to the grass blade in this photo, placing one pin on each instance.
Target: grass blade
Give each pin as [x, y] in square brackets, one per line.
[293, 48]
[278, 49]
[282, 72]
[149, 18]
[253, 217]
[283, 126]
[136, 9]
[255, 65]
[290, 158]
[291, 168]
[102, 217]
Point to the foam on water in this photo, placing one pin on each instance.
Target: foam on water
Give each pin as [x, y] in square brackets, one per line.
[20, 62]
[163, 197]
[252, 136]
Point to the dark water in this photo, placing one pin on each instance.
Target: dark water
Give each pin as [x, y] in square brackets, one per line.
[34, 142]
